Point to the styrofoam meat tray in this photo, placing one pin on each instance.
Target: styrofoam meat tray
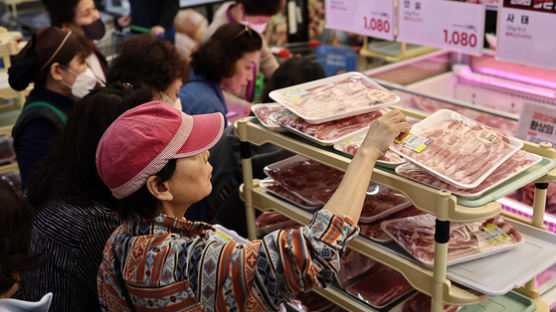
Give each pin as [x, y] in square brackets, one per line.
[287, 115]
[335, 97]
[507, 170]
[487, 239]
[432, 162]
[268, 183]
[263, 111]
[374, 231]
[352, 143]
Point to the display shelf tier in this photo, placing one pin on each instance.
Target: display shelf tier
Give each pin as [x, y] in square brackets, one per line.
[439, 203]
[418, 276]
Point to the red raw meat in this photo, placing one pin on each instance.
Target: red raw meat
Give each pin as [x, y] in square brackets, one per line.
[263, 112]
[6, 148]
[526, 195]
[380, 287]
[271, 221]
[305, 177]
[416, 235]
[375, 202]
[456, 150]
[312, 302]
[515, 164]
[331, 130]
[353, 264]
[278, 189]
[375, 232]
[421, 302]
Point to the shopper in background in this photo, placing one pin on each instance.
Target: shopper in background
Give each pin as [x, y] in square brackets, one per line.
[226, 61]
[82, 17]
[255, 14]
[15, 258]
[158, 16]
[223, 205]
[73, 218]
[54, 59]
[155, 63]
[155, 159]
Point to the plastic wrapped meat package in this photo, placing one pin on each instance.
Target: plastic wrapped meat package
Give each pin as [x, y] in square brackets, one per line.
[456, 149]
[526, 195]
[7, 152]
[374, 231]
[467, 240]
[270, 221]
[353, 265]
[263, 112]
[420, 303]
[312, 302]
[326, 133]
[276, 189]
[334, 97]
[517, 163]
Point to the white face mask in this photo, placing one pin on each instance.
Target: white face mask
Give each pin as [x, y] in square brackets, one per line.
[175, 103]
[256, 27]
[83, 84]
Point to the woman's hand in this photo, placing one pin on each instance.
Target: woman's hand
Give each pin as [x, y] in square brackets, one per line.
[384, 130]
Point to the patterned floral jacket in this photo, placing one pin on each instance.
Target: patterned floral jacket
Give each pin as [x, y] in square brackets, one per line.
[170, 264]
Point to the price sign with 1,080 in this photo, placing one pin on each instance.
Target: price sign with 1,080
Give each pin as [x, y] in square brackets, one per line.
[374, 18]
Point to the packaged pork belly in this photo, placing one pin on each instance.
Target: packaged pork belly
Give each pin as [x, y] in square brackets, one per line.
[374, 231]
[263, 112]
[334, 97]
[456, 149]
[514, 165]
[351, 144]
[420, 303]
[274, 188]
[326, 133]
[468, 241]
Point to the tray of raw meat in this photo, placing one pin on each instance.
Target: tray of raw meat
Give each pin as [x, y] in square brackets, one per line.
[303, 177]
[456, 149]
[374, 231]
[379, 287]
[420, 302]
[352, 144]
[7, 152]
[379, 202]
[334, 97]
[468, 241]
[326, 133]
[516, 164]
[263, 112]
[274, 188]
[270, 221]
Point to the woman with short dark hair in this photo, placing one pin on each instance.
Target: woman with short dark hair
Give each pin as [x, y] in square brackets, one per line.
[226, 60]
[155, 63]
[73, 216]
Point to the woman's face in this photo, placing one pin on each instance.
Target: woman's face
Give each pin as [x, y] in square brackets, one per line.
[243, 72]
[191, 181]
[85, 13]
[76, 66]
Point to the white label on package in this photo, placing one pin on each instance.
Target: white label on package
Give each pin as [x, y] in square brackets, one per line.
[526, 32]
[491, 235]
[294, 94]
[537, 123]
[373, 18]
[451, 25]
[414, 142]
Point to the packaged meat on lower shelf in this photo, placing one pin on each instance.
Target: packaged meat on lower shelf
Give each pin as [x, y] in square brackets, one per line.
[374, 231]
[420, 303]
[326, 133]
[263, 112]
[517, 163]
[312, 302]
[270, 221]
[456, 149]
[467, 240]
[353, 265]
[379, 287]
[334, 97]
[276, 189]
[303, 176]
[7, 152]
[379, 202]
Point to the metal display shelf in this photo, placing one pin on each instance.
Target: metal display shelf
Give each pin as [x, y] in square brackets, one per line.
[441, 204]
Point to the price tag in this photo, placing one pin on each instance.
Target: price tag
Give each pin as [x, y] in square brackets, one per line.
[537, 123]
[373, 18]
[415, 142]
[451, 25]
[526, 32]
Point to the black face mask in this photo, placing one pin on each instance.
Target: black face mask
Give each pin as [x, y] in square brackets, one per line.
[95, 30]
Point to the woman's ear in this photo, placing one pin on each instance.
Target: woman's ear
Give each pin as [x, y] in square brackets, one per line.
[56, 71]
[160, 191]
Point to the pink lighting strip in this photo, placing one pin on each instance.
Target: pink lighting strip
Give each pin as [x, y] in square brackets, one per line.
[516, 77]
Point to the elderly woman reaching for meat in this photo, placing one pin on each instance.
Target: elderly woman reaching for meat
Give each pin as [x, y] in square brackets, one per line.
[155, 159]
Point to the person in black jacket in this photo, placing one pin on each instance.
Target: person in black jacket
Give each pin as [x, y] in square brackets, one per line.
[158, 16]
[54, 59]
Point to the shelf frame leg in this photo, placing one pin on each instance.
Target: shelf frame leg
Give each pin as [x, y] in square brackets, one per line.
[247, 168]
[441, 239]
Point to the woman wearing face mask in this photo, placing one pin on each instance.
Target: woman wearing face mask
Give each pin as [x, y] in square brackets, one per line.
[256, 14]
[53, 59]
[152, 62]
[82, 17]
[225, 61]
